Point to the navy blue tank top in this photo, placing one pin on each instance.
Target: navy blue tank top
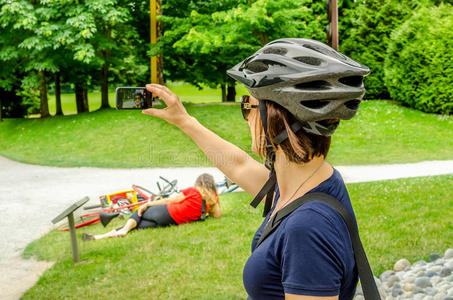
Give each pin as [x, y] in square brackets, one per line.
[310, 252]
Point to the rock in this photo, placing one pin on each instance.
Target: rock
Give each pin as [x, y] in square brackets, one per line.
[448, 253]
[422, 282]
[386, 275]
[436, 268]
[449, 264]
[419, 296]
[439, 262]
[448, 298]
[430, 273]
[419, 263]
[431, 291]
[435, 280]
[445, 272]
[359, 290]
[401, 265]
[419, 290]
[391, 280]
[408, 287]
[396, 292]
[433, 257]
[427, 297]
[439, 296]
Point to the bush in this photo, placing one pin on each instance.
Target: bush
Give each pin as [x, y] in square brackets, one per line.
[369, 35]
[419, 62]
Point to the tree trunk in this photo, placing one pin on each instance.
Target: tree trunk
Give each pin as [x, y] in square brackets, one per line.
[85, 98]
[58, 94]
[231, 91]
[44, 109]
[79, 97]
[224, 94]
[1, 108]
[105, 54]
[105, 84]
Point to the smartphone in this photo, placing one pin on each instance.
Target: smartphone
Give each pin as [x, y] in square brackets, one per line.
[133, 98]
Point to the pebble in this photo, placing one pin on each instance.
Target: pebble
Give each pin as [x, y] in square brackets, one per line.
[445, 272]
[408, 287]
[401, 265]
[433, 257]
[423, 280]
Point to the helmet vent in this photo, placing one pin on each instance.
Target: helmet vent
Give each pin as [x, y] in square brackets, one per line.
[314, 104]
[352, 104]
[314, 61]
[275, 50]
[313, 85]
[354, 81]
[257, 66]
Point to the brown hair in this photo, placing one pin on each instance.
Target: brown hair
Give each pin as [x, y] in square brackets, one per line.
[299, 147]
[206, 186]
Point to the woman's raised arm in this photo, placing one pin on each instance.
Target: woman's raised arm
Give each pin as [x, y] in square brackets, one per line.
[235, 163]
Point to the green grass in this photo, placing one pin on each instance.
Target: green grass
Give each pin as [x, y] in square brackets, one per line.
[187, 93]
[398, 218]
[382, 132]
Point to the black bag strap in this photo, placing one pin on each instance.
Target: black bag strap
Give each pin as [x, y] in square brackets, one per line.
[203, 210]
[369, 287]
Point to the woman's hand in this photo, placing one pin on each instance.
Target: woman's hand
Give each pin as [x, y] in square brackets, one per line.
[142, 209]
[174, 113]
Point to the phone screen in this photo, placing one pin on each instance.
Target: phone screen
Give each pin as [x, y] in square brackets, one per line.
[133, 98]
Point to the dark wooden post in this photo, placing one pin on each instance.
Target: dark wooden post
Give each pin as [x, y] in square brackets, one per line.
[332, 27]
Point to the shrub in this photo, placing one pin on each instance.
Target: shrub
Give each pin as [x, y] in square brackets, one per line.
[419, 62]
[369, 35]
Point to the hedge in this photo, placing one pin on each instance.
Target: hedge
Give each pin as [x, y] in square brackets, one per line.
[419, 61]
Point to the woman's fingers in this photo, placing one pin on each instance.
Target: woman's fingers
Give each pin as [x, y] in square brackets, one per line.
[154, 112]
[161, 92]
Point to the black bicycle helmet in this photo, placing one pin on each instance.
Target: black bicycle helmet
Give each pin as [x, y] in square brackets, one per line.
[308, 78]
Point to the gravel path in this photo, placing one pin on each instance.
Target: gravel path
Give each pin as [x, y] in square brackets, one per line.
[31, 196]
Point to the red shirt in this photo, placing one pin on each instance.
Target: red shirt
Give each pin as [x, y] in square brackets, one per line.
[189, 209]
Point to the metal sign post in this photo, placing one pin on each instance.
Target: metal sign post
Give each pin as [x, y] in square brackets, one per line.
[69, 212]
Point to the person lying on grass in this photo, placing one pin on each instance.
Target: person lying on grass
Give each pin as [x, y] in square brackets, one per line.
[185, 207]
[299, 90]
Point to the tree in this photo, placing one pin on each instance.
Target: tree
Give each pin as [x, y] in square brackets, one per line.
[372, 22]
[207, 44]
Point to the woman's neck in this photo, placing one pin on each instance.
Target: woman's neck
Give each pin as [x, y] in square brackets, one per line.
[290, 176]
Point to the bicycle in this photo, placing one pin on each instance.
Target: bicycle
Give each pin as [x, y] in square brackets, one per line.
[123, 202]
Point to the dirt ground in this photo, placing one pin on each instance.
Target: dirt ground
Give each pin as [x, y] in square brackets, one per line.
[31, 196]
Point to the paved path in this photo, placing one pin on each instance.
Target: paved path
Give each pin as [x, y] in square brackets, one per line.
[31, 196]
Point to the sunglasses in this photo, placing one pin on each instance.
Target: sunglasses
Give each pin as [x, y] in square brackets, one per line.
[246, 106]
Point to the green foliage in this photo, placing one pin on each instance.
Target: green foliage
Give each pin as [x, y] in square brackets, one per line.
[368, 38]
[204, 260]
[419, 62]
[201, 46]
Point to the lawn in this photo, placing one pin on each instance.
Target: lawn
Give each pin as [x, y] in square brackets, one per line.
[397, 218]
[186, 92]
[382, 132]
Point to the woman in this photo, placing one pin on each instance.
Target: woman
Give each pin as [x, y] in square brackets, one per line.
[300, 89]
[185, 207]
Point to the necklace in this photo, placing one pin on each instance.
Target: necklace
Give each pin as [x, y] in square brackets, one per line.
[303, 182]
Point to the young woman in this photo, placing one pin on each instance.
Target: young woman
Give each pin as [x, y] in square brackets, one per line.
[185, 207]
[300, 89]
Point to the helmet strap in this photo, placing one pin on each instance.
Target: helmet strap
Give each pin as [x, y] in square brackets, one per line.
[269, 187]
